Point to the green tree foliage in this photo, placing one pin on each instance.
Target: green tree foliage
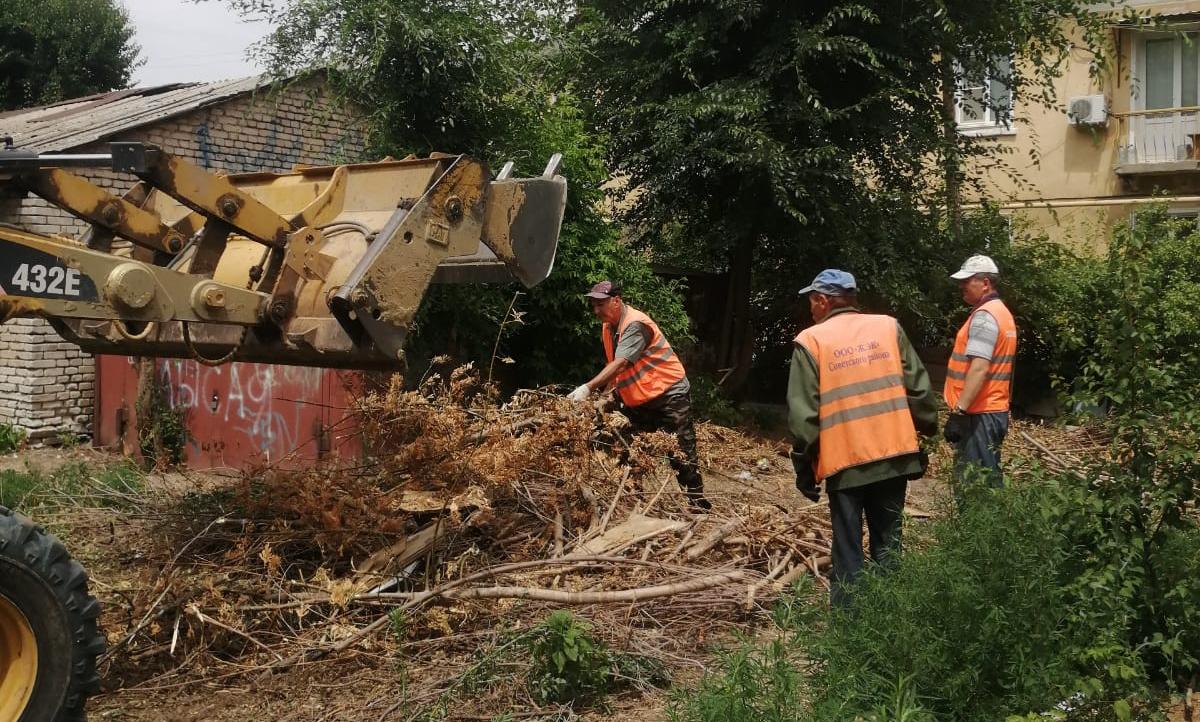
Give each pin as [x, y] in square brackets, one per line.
[480, 77]
[51, 50]
[776, 138]
[1135, 520]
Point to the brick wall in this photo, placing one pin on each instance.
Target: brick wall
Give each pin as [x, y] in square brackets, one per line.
[47, 385]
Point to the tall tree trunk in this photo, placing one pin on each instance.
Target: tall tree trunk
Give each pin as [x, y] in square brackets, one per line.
[952, 160]
[736, 350]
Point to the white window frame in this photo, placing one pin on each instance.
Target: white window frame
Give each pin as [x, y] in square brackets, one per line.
[989, 124]
[1144, 126]
[1139, 66]
[1191, 213]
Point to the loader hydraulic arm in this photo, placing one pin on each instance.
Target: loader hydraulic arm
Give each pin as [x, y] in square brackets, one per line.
[96, 206]
[323, 266]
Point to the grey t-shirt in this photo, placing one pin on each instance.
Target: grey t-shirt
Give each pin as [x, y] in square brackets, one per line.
[982, 336]
[632, 344]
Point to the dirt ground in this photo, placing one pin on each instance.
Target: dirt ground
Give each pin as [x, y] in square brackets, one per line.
[365, 685]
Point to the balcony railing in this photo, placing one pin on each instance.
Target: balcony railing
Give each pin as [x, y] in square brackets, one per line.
[1168, 138]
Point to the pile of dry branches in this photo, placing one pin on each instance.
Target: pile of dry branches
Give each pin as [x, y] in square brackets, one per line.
[469, 516]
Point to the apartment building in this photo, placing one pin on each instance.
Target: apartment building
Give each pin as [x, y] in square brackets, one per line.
[1114, 143]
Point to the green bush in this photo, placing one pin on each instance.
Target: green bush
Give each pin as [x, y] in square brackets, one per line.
[977, 622]
[970, 626]
[12, 438]
[566, 663]
[1133, 516]
[1001, 611]
[1142, 301]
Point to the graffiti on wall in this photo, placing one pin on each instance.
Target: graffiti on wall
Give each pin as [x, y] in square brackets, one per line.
[270, 409]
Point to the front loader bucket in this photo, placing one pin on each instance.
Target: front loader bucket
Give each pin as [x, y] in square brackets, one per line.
[520, 234]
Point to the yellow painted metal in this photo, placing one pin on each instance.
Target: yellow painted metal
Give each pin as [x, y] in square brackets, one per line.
[164, 294]
[280, 251]
[215, 196]
[95, 205]
[18, 661]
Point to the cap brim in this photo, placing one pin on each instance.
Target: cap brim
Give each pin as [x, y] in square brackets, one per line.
[597, 294]
[962, 275]
[806, 290]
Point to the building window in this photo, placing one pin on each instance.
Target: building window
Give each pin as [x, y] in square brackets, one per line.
[1191, 215]
[985, 97]
[1164, 125]
[1169, 77]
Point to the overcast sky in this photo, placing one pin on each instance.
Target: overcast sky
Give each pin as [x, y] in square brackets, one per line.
[185, 41]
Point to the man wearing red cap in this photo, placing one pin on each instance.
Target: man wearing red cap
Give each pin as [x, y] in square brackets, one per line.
[649, 379]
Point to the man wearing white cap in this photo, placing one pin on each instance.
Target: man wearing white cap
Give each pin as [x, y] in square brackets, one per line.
[979, 375]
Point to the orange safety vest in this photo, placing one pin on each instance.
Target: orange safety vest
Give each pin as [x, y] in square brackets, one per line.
[654, 372]
[997, 387]
[863, 412]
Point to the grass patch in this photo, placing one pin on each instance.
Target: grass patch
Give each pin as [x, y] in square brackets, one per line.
[81, 484]
[16, 486]
[12, 438]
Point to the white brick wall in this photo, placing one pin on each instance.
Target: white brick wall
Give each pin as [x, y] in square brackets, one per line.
[47, 385]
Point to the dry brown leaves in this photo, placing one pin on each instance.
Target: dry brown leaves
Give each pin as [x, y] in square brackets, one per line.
[470, 516]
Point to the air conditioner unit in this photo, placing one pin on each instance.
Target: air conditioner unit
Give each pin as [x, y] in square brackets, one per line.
[1087, 110]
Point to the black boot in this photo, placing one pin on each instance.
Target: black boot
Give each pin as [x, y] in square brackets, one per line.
[696, 498]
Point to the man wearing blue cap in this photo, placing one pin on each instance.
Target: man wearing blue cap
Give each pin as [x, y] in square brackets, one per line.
[858, 399]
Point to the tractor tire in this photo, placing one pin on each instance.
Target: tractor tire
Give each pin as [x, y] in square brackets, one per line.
[48, 635]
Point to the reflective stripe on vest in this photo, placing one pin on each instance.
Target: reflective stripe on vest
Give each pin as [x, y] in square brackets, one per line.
[655, 371]
[863, 411]
[996, 392]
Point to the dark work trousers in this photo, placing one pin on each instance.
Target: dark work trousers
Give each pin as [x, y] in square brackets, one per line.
[882, 503]
[977, 456]
[673, 413]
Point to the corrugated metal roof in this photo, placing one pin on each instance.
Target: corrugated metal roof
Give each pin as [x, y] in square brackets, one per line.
[1149, 8]
[73, 123]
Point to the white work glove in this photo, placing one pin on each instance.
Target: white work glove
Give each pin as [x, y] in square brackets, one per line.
[580, 393]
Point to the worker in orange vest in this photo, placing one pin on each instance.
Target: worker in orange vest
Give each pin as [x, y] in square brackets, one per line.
[979, 375]
[858, 396]
[649, 380]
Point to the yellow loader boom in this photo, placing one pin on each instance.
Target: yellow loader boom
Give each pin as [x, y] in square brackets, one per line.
[322, 266]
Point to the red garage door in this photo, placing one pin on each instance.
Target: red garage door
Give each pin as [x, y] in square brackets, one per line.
[239, 414]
